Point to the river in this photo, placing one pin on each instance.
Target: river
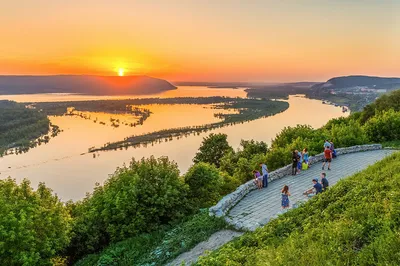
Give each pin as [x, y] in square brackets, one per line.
[66, 167]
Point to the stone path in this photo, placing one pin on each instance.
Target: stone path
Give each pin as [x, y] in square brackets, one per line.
[214, 242]
[259, 206]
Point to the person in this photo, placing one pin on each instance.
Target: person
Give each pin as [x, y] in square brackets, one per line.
[333, 150]
[295, 160]
[305, 155]
[324, 182]
[300, 162]
[327, 144]
[315, 190]
[258, 178]
[264, 170]
[327, 158]
[285, 197]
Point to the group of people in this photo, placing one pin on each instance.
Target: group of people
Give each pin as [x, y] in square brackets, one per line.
[300, 161]
[318, 187]
[261, 180]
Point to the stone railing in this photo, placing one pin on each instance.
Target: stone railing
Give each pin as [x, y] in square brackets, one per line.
[230, 200]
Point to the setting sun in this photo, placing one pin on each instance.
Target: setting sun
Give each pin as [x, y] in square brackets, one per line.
[120, 72]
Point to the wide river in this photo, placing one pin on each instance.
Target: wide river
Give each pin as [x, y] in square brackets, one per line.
[66, 167]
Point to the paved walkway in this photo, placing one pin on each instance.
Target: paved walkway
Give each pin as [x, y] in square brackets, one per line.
[259, 206]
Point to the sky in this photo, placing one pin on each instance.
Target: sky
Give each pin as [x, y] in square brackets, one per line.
[202, 40]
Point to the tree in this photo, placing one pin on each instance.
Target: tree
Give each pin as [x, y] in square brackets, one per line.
[385, 126]
[205, 183]
[212, 149]
[34, 225]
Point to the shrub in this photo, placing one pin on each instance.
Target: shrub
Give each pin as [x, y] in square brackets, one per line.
[158, 247]
[205, 183]
[212, 149]
[230, 183]
[139, 198]
[385, 126]
[351, 134]
[34, 225]
[288, 134]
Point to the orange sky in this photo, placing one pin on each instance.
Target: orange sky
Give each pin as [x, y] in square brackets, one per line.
[188, 40]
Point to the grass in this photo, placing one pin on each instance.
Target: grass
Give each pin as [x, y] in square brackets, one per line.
[158, 247]
[356, 222]
[392, 144]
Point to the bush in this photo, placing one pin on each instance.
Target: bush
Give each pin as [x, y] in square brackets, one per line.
[159, 247]
[136, 199]
[34, 225]
[205, 183]
[288, 134]
[212, 149]
[356, 222]
[385, 126]
[351, 134]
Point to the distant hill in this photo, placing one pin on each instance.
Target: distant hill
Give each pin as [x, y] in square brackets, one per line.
[86, 84]
[360, 81]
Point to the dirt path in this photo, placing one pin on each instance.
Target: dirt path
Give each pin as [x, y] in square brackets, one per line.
[214, 242]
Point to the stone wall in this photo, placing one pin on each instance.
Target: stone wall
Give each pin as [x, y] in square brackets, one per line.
[230, 200]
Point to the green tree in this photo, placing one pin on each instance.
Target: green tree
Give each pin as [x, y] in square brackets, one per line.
[212, 149]
[34, 225]
[385, 126]
[205, 184]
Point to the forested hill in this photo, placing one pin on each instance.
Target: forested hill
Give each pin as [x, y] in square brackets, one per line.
[365, 81]
[19, 126]
[96, 85]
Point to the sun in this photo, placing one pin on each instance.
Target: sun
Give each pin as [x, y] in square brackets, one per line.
[121, 72]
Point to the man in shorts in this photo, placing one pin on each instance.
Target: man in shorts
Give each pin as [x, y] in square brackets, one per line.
[327, 158]
[315, 190]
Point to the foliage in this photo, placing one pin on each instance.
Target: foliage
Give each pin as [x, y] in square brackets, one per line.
[19, 125]
[351, 134]
[212, 149]
[383, 103]
[34, 225]
[356, 222]
[140, 198]
[157, 248]
[205, 184]
[249, 149]
[384, 126]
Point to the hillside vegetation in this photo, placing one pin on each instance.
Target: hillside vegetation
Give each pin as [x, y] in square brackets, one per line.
[356, 222]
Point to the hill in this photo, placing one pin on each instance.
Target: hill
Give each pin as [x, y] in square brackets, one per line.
[359, 81]
[95, 85]
[353, 91]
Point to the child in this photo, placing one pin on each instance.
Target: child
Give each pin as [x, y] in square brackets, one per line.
[305, 155]
[285, 197]
[258, 178]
